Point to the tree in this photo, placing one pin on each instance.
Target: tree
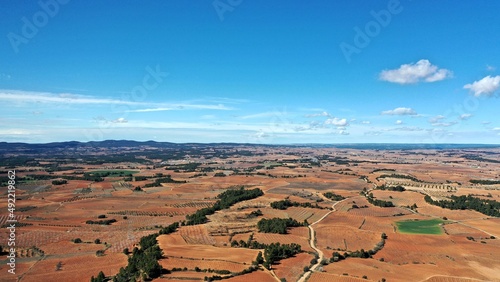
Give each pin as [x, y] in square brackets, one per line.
[100, 277]
[77, 240]
[260, 258]
[126, 251]
[97, 241]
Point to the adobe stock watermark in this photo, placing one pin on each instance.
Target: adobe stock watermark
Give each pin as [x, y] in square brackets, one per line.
[150, 81]
[363, 37]
[11, 221]
[223, 6]
[31, 27]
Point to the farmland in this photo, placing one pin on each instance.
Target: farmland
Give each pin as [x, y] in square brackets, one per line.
[430, 226]
[137, 191]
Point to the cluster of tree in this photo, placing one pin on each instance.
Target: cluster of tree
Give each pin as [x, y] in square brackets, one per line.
[250, 243]
[141, 177]
[277, 225]
[275, 252]
[484, 182]
[169, 229]
[250, 269]
[198, 175]
[256, 213]
[66, 177]
[402, 176]
[143, 263]
[378, 203]
[479, 159]
[272, 252]
[286, 203]
[100, 277]
[94, 177]
[487, 207]
[53, 168]
[26, 208]
[336, 256]
[190, 167]
[398, 188]
[226, 200]
[220, 174]
[101, 222]
[382, 169]
[59, 182]
[333, 196]
[159, 181]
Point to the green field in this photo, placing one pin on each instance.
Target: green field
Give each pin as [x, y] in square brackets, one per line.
[113, 172]
[430, 226]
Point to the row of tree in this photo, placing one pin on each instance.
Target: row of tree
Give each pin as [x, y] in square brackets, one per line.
[273, 252]
[101, 222]
[398, 188]
[286, 203]
[484, 182]
[143, 262]
[401, 176]
[336, 256]
[166, 179]
[333, 196]
[226, 200]
[277, 225]
[487, 207]
[377, 202]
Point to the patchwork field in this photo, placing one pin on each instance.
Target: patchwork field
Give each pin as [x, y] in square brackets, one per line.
[70, 231]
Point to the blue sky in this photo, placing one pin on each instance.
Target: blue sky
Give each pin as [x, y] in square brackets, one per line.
[250, 71]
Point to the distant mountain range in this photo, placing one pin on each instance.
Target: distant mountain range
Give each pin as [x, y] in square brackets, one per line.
[130, 143]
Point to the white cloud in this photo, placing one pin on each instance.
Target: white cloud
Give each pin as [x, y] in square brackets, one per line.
[120, 120]
[487, 85]
[322, 114]
[17, 96]
[400, 112]
[399, 122]
[490, 68]
[436, 119]
[343, 132]
[444, 124]
[465, 116]
[62, 98]
[337, 121]
[423, 70]
[366, 122]
[406, 128]
[173, 107]
[275, 114]
[496, 129]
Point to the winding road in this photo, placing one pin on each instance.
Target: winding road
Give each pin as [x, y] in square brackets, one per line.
[312, 243]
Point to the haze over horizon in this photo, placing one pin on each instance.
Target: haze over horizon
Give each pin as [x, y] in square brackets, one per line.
[250, 71]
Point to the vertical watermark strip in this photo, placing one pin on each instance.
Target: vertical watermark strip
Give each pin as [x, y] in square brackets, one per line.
[223, 6]
[11, 221]
[30, 28]
[372, 29]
